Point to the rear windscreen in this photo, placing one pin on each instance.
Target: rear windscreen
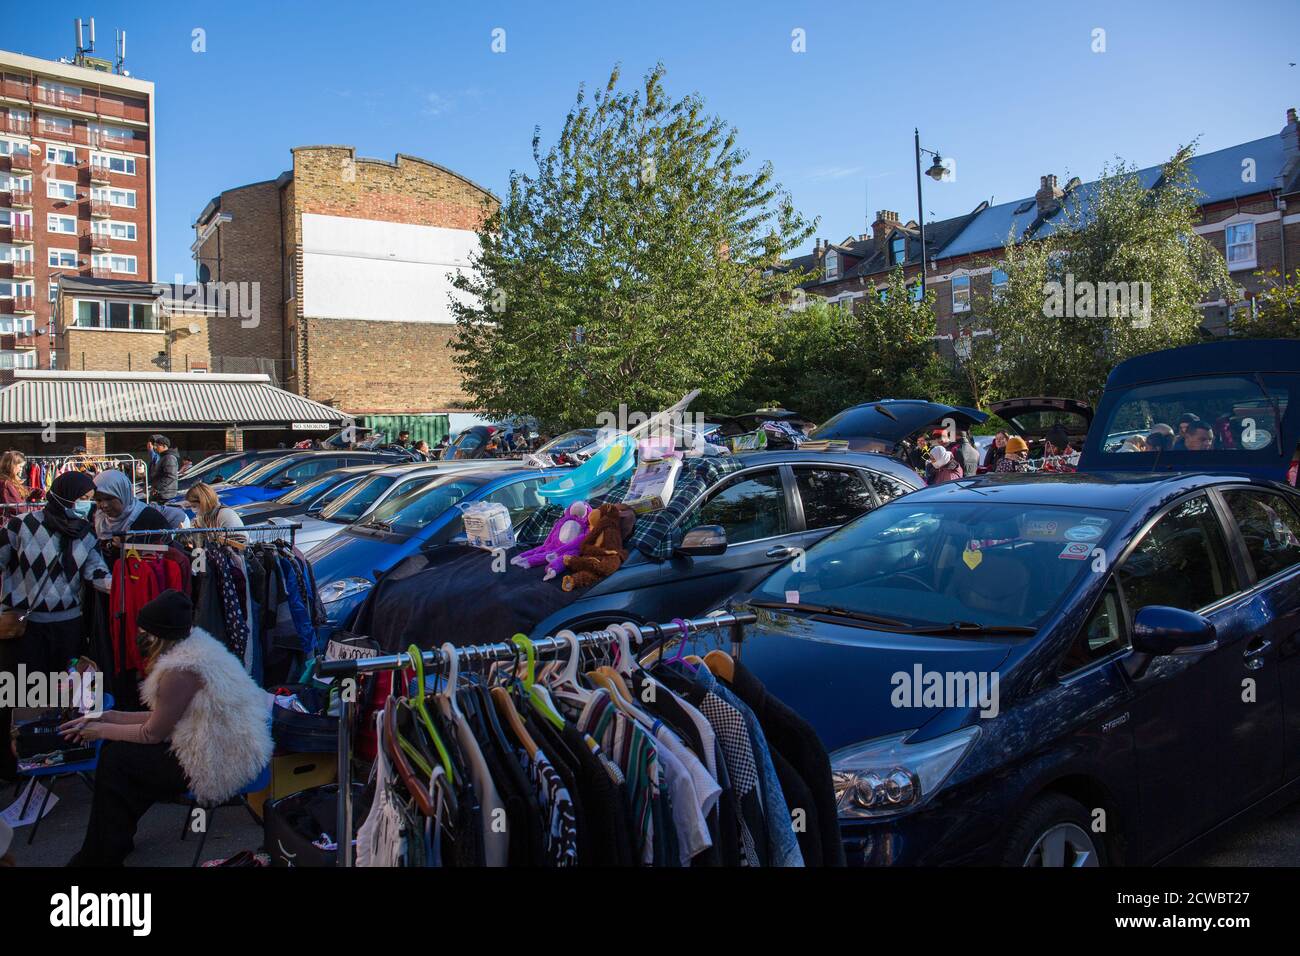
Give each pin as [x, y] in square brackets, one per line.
[1223, 413]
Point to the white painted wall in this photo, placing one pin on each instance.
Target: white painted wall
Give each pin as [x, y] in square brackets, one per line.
[385, 271]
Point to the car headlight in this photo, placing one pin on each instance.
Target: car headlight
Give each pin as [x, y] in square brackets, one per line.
[888, 776]
[342, 588]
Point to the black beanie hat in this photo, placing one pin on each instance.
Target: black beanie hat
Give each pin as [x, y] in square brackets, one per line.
[169, 616]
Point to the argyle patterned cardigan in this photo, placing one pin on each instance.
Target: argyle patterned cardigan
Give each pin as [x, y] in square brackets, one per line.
[31, 567]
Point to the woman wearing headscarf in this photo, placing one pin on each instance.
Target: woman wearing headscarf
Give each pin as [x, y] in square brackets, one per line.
[45, 556]
[117, 510]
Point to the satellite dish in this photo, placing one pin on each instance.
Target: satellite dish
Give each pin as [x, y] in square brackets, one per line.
[194, 328]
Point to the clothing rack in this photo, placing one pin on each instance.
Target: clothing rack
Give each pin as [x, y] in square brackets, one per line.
[123, 462]
[547, 648]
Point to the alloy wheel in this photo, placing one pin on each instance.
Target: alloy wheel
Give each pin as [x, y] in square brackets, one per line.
[1065, 844]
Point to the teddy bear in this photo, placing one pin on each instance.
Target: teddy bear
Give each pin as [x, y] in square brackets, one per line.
[602, 551]
[564, 540]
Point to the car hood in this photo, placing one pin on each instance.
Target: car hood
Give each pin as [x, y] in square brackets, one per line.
[888, 422]
[841, 678]
[314, 531]
[353, 555]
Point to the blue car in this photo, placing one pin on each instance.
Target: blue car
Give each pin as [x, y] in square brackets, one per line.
[1062, 670]
[347, 566]
[266, 480]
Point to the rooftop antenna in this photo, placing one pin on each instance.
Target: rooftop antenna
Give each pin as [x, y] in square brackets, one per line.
[82, 47]
[121, 53]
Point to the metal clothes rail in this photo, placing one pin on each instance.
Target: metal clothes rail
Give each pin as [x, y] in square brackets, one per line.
[547, 648]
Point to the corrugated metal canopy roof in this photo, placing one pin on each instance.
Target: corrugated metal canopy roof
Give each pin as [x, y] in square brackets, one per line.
[38, 398]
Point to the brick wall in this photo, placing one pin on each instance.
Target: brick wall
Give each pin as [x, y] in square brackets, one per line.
[117, 350]
[370, 366]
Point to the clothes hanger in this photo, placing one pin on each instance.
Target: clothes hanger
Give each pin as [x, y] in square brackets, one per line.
[449, 688]
[626, 660]
[393, 742]
[417, 704]
[535, 694]
[564, 682]
[720, 663]
[505, 706]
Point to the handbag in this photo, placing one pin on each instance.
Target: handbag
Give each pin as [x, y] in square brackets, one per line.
[299, 829]
[13, 624]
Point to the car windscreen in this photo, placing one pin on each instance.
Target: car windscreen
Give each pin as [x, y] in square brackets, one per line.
[335, 493]
[921, 565]
[1239, 415]
[570, 441]
[413, 511]
[256, 471]
[308, 491]
[351, 506]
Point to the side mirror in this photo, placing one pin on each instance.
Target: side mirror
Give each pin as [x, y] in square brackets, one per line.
[704, 541]
[1160, 631]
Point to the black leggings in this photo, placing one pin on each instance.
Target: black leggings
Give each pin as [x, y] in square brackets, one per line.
[130, 779]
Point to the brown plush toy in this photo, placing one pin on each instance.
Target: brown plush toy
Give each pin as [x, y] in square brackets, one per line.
[602, 549]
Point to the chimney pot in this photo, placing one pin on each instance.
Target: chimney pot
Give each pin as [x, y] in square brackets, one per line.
[1048, 196]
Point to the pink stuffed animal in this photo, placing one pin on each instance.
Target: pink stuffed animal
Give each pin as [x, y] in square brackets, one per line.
[564, 539]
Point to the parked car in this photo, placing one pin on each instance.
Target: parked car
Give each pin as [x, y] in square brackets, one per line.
[996, 664]
[219, 468]
[1242, 388]
[307, 497]
[765, 507]
[471, 443]
[278, 475]
[889, 426]
[347, 566]
[380, 485]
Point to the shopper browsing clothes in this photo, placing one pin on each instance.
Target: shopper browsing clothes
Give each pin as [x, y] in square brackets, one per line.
[944, 466]
[209, 512]
[117, 510]
[206, 730]
[44, 558]
[1015, 456]
[13, 486]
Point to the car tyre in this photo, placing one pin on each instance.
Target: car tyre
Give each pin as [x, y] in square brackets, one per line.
[1054, 831]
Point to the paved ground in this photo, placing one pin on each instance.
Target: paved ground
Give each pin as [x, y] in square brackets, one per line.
[1271, 842]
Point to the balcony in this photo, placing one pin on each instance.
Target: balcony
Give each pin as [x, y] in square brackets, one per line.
[20, 198]
[24, 268]
[100, 209]
[61, 99]
[101, 272]
[100, 240]
[24, 305]
[21, 232]
[18, 126]
[20, 161]
[98, 173]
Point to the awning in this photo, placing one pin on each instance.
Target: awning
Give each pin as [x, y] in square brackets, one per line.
[36, 399]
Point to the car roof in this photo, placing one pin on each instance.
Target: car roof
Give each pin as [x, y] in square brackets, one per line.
[1109, 491]
[858, 459]
[1220, 357]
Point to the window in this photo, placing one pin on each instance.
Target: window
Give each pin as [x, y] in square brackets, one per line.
[1104, 634]
[14, 148]
[115, 263]
[1270, 528]
[832, 264]
[1181, 562]
[63, 258]
[1239, 245]
[58, 189]
[61, 155]
[885, 487]
[114, 197]
[56, 124]
[117, 230]
[9, 289]
[89, 313]
[961, 294]
[916, 292]
[998, 279]
[52, 92]
[898, 250]
[17, 359]
[114, 164]
[749, 507]
[54, 290]
[111, 134]
[63, 224]
[832, 496]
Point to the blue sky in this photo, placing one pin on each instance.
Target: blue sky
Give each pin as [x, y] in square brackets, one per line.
[1010, 90]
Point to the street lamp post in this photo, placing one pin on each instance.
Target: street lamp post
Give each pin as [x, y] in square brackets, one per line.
[935, 172]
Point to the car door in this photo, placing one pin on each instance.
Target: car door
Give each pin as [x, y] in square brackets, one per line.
[1268, 528]
[755, 508]
[1198, 747]
[827, 496]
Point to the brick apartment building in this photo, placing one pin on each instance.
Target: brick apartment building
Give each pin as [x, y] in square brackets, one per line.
[1247, 192]
[353, 259]
[76, 191]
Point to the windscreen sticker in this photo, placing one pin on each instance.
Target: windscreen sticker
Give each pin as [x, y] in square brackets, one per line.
[791, 597]
[1097, 521]
[1041, 528]
[1083, 532]
[972, 558]
[1076, 551]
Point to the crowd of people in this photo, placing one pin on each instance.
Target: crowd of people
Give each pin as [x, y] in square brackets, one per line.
[939, 460]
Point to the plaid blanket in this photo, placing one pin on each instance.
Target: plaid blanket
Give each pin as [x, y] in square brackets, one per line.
[654, 534]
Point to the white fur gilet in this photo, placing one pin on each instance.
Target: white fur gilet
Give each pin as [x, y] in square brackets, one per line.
[223, 740]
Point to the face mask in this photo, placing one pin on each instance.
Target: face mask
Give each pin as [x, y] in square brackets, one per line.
[82, 507]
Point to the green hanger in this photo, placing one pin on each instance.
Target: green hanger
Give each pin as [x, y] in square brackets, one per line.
[417, 704]
[541, 703]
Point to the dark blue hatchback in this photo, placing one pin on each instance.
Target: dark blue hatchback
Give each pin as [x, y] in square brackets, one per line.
[1059, 670]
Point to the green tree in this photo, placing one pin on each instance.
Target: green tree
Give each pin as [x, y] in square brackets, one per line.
[639, 260]
[1122, 274]
[1275, 311]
